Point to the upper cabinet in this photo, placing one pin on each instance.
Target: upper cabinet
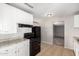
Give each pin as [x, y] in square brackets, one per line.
[24, 18]
[10, 16]
[76, 21]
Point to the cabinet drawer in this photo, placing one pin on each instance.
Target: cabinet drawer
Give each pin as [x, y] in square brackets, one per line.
[8, 51]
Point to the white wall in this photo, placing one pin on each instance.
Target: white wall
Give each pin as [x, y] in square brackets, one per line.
[69, 31]
[69, 26]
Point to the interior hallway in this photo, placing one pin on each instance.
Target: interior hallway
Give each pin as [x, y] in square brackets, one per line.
[53, 50]
[58, 34]
[58, 41]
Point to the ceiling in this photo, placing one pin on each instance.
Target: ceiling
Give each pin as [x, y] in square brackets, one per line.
[41, 10]
[58, 9]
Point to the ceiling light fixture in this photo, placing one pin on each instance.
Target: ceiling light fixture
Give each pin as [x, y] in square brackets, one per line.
[49, 14]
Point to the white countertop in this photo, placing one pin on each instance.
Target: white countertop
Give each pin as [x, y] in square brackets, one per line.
[10, 42]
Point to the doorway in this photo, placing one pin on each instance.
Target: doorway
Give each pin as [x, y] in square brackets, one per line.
[58, 35]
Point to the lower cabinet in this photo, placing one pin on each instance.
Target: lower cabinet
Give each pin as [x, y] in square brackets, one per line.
[76, 47]
[19, 49]
[27, 49]
[8, 51]
[23, 49]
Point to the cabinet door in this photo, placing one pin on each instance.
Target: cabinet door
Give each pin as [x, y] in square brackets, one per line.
[75, 47]
[76, 21]
[20, 49]
[8, 51]
[10, 16]
[27, 48]
[24, 17]
[27, 52]
[9, 24]
[23, 48]
[8, 21]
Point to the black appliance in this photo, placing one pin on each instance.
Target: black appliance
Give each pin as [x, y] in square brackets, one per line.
[35, 40]
[37, 31]
[28, 35]
[24, 25]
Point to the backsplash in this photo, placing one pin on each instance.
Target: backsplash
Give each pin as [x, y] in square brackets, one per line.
[21, 31]
[19, 34]
[8, 36]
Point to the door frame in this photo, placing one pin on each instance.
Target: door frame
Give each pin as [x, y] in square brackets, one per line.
[64, 32]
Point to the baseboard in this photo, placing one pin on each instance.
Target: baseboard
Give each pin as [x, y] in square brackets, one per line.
[59, 36]
[68, 48]
[47, 42]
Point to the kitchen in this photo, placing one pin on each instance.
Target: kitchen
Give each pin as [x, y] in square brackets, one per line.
[14, 26]
[25, 33]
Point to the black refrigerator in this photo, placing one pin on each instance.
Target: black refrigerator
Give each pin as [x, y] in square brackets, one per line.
[35, 42]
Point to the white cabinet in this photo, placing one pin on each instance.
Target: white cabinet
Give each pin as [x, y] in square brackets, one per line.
[23, 49]
[10, 16]
[19, 49]
[76, 47]
[76, 21]
[27, 48]
[23, 17]
[8, 51]
[7, 19]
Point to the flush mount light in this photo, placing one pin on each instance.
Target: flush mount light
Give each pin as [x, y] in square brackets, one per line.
[49, 14]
